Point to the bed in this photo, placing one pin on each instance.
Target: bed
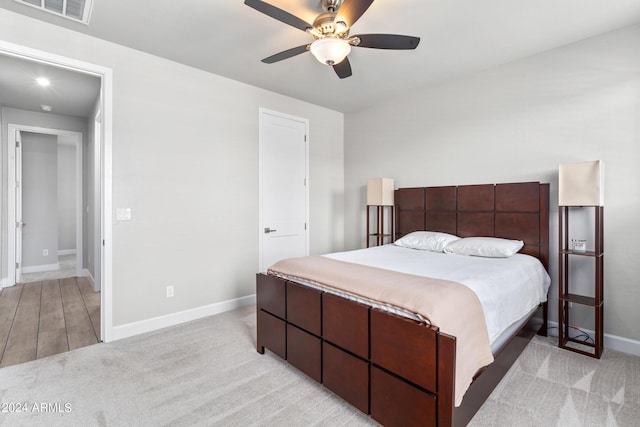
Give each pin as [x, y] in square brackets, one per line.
[398, 369]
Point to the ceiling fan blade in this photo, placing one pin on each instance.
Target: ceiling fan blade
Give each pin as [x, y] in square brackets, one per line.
[286, 54]
[351, 10]
[343, 69]
[278, 14]
[388, 41]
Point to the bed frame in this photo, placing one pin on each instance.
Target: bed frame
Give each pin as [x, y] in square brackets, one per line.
[400, 371]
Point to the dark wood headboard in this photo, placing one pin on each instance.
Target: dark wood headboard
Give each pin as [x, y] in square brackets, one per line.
[511, 211]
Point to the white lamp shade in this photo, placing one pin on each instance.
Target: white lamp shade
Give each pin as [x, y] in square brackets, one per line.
[581, 184]
[330, 51]
[380, 192]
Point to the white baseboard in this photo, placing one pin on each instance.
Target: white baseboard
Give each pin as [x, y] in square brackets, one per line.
[87, 273]
[40, 268]
[613, 342]
[66, 252]
[149, 325]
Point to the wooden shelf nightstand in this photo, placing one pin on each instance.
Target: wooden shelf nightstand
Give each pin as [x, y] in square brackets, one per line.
[384, 231]
[565, 295]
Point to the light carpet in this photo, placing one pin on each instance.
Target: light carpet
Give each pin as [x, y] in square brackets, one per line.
[207, 372]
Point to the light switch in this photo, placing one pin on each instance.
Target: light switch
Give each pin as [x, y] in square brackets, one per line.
[123, 214]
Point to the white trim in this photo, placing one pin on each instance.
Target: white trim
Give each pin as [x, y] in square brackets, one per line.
[40, 268]
[63, 252]
[11, 202]
[106, 217]
[106, 75]
[149, 325]
[95, 233]
[612, 342]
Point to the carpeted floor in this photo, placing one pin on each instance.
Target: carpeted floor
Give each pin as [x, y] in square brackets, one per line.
[207, 372]
[548, 386]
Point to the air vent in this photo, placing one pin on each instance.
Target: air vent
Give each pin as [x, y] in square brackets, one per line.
[77, 10]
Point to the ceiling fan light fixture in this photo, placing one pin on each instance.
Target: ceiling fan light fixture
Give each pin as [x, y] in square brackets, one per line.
[330, 51]
[340, 27]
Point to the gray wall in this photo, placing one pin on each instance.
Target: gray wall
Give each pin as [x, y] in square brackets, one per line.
[39, 199]
[66, 196]
[517, 122]
[185, 159]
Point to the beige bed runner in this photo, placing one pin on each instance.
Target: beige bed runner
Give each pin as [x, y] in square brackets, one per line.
[451, 306]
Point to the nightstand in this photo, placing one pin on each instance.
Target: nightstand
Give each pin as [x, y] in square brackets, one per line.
[384, 231]
[567, 297]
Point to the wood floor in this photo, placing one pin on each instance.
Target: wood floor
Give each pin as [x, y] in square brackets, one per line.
[44, 318]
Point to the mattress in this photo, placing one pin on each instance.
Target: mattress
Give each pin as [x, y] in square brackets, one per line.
[509, 289]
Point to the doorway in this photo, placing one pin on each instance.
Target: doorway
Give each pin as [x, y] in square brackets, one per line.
[102, 212]
[44, 231]
[283, 187]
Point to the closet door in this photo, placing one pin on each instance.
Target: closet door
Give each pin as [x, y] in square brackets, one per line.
[283, 188]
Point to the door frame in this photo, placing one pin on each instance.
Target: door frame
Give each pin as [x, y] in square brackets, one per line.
[106, 99]
[261, 113]
[12, 234]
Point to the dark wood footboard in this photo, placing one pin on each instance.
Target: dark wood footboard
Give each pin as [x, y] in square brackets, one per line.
[399, 371]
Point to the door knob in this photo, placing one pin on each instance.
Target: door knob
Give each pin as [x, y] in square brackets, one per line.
[268, 230]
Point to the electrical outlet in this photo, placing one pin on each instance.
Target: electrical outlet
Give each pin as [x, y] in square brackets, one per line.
[169, 291]
[45, 252]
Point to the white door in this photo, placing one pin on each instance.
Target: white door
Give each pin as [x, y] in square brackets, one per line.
[19, 224]
[283, 187]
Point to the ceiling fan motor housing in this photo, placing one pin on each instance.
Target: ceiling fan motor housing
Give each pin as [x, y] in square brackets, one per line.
[325, 23]
[331, 5]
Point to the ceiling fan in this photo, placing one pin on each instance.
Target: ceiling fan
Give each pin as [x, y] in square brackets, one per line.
[330, 30]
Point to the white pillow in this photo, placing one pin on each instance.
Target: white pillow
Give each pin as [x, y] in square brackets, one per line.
[490, 247]
[426, 240]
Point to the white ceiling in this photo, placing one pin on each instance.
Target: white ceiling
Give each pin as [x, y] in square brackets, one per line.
[458, 38]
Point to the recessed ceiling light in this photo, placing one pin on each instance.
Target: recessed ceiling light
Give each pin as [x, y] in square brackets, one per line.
[46, 108]
[43, 81]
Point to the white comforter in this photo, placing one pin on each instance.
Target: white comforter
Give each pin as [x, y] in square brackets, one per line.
[508, 288]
